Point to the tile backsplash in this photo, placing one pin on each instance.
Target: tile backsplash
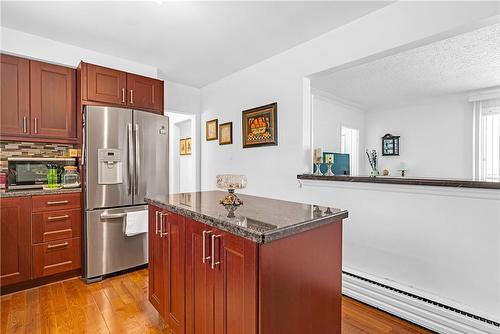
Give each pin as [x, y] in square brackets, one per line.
[27, 149]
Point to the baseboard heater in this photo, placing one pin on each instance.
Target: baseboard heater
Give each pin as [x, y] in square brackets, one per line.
[418, 310]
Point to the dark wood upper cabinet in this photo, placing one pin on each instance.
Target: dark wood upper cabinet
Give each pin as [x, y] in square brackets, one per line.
[145, 93]
[98, 85]
[106, 85]
[15, 240]
[15, 96]
[53, 100]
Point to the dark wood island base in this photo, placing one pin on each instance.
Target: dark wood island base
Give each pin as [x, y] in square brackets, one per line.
[209, 276]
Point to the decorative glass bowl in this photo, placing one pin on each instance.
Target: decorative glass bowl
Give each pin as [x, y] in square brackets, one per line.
[231, 182]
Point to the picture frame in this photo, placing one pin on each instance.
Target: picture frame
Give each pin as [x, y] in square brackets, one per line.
[211, 129]
[226, 133]
[185, 146]
[390, 145]
[260, 126]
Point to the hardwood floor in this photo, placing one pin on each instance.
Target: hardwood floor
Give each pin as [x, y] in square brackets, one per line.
[120, 305]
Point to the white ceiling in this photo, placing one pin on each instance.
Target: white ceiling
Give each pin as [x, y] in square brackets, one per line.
[191, 42]
[462, 63]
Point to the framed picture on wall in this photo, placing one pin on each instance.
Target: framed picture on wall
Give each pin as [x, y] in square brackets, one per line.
[260, 126]
[226, 133]
[211, 130]
[185, 146]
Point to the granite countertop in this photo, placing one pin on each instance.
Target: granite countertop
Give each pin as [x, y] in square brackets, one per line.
[34, 192]
[436, 182]
[259, 219]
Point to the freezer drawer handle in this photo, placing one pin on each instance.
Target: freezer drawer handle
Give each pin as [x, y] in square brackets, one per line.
[113, 215]
[57, 202]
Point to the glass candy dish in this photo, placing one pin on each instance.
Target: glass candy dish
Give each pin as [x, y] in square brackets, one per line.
[231, 182]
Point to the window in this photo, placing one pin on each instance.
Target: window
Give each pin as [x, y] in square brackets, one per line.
[489, 141]
[349, 143]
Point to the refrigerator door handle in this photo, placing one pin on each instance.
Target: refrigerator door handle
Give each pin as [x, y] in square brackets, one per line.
[137, 159]
[130, 158]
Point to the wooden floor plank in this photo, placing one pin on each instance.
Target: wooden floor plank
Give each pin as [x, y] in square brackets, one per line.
[120, 305]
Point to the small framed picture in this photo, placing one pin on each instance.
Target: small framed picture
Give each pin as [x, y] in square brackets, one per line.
[211, 130]
[226, 133]
[185, 146]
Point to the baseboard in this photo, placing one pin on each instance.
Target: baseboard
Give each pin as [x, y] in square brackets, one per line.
[418, 310]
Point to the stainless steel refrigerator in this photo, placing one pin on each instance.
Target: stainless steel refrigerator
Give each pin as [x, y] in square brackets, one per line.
[125, 159]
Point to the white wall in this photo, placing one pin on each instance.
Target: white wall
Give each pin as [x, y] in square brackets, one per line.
[272, 171]
[436, 136]
[329, 115]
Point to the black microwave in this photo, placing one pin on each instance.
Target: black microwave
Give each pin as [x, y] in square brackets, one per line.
[31, 173]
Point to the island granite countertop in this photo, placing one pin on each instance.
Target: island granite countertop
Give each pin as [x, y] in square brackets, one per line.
[259, 219]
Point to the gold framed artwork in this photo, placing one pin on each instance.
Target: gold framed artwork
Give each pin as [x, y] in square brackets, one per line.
[226, 133]
[211, 128]
[185, 146]
[260, 126]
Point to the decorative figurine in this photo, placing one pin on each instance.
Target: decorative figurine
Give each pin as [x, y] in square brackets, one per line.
[231, 182]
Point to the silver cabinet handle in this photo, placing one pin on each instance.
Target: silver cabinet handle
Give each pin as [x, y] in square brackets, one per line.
[156, 222]
[113, 215]
[204, 257]
[130, 160]
[57, 202]
[58, 217]
[25, 124]
[163, 214]
[131, 96]
[123, 95]
[213, 263]
[64, 244]
[36, 125]
[137, 159]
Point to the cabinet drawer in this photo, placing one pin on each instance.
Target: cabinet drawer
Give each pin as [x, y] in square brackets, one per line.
[55, 225]
[56, 202]
[56, 257]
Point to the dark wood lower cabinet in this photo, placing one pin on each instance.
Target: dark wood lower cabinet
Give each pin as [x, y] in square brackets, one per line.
[236, 286]
[15, 243]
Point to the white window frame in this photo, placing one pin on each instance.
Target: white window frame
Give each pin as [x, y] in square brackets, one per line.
[479, 148]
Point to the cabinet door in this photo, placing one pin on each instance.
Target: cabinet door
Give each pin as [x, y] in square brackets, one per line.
[174, 243]
[235, 285]
[145, 93]
[53, 101]
[14, 96]
[199, 279]
[15, 240]
[156, 268]
[106, 85]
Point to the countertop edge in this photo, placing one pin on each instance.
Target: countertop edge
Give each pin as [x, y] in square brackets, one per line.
[38, 192]
[260, 238]
[405, 181]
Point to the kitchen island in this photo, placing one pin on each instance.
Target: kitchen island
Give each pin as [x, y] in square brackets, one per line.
[266, 267]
